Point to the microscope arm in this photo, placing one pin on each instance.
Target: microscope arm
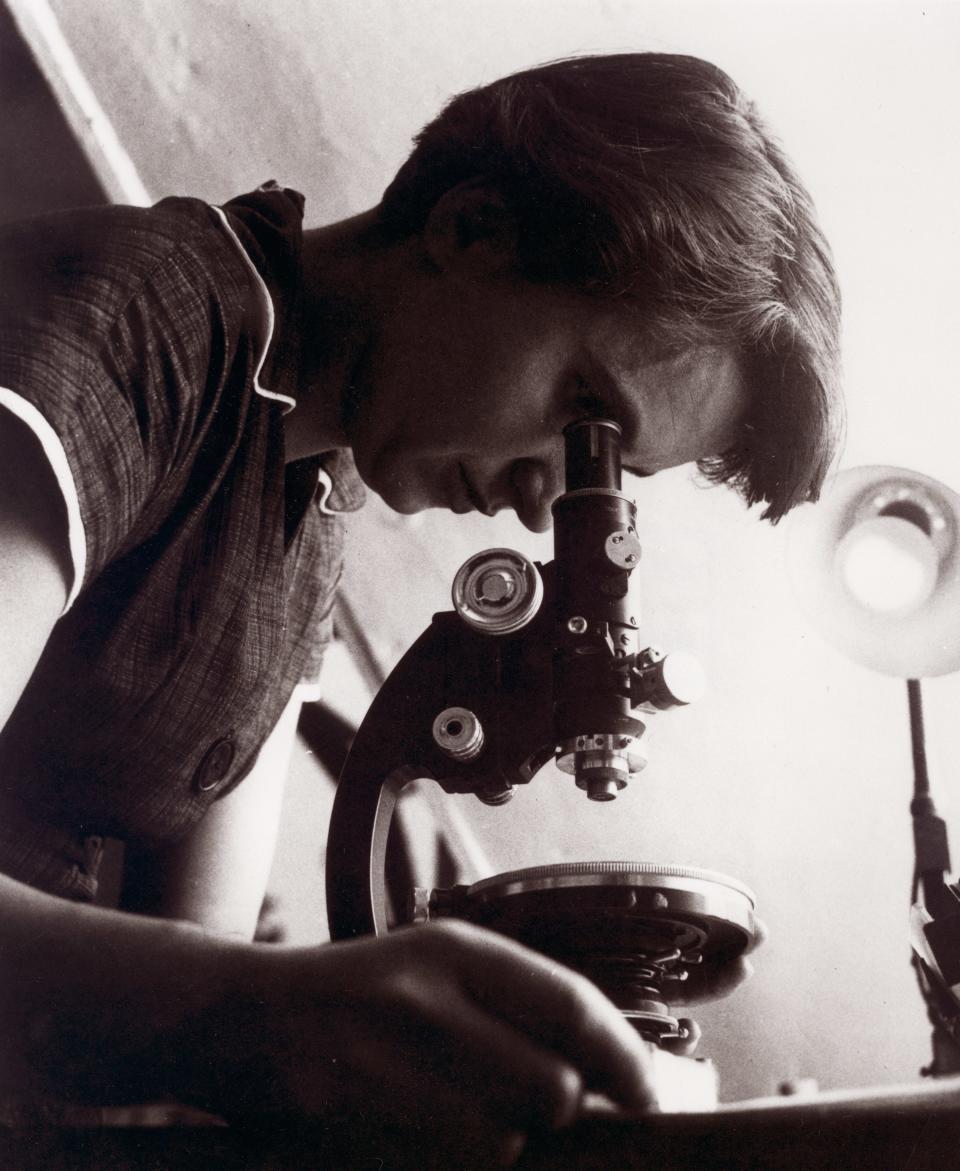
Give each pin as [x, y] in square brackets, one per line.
[536, 663]
[502, 681]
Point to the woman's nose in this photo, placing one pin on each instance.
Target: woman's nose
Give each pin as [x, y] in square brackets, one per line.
[535, 485]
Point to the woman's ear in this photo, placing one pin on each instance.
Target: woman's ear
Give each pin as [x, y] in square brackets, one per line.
[470, 230]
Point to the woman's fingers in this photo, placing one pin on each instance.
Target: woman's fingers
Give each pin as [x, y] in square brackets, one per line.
[493, 1063]
[446, 1034]
[433, 1070]
[557, 1008]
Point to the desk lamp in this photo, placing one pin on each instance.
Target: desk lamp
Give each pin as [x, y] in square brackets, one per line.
[876, 568]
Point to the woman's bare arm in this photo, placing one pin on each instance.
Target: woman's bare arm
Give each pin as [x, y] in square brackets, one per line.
[217, 876]
[35, 573]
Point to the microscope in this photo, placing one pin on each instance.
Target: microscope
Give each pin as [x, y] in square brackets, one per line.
[540, 663]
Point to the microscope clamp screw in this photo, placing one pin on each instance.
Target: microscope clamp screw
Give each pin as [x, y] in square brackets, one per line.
[458, 733]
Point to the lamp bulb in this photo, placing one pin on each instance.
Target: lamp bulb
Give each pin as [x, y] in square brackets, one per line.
[889, 565]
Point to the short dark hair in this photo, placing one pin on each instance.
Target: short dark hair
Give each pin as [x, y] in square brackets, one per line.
[651, 178]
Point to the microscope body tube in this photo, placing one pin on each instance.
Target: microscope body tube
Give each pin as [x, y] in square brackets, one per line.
[596, 615]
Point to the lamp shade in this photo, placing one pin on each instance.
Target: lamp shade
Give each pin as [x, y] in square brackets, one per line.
[875, 565]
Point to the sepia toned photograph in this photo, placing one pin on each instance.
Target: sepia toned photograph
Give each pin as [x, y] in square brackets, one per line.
[479, 585]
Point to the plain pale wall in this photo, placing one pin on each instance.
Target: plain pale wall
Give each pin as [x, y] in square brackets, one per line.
[793, 775]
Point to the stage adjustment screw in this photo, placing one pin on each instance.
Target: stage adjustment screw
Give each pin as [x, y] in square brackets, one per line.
[458, 733]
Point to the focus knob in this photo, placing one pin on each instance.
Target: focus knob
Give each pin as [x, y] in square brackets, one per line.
[666, 681]
[497, 591]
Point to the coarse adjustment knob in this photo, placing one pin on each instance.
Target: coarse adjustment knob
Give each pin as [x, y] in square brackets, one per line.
[497, 591]
[458, 733]
[666, 681]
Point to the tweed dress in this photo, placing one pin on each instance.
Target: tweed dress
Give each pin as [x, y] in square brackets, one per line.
[153, 354]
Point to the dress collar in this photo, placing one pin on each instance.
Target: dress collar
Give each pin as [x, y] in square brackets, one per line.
[267, 227]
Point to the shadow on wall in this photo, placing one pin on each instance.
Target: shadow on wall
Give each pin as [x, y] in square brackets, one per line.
[43, 168]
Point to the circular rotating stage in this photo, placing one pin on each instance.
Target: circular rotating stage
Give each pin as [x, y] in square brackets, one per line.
[645, 934]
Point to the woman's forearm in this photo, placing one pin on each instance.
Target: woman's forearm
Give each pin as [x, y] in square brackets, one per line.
[102, 1006]
[451, 1030]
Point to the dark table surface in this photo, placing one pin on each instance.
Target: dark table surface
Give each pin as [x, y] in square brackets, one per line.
[907, 1128]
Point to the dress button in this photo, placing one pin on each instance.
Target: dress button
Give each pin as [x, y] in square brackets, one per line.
[215, 764]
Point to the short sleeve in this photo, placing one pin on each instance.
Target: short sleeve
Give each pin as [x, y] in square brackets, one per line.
[115, 326]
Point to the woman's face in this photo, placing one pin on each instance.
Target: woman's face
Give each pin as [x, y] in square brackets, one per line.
[469, 384]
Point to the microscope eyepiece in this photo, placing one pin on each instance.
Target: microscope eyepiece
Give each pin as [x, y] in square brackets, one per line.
[592, 454]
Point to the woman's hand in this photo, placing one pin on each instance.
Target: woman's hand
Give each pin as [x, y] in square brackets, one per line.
[447, 1039]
